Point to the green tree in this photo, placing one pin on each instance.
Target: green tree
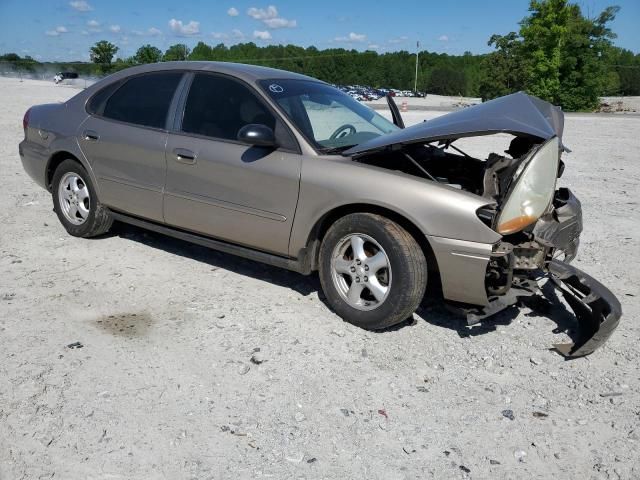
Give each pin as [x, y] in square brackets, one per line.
[559, 55]
[543, 33]
[179, 51]
[102, 54]
[502, 71]
[628, 70]
[10, 57]
[147, 54]
[201, 51]
[584, 73]
[447, 81]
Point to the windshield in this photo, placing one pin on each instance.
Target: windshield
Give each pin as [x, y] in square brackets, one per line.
[330, 119]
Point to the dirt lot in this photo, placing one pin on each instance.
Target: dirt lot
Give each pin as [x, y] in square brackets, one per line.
[163, 386]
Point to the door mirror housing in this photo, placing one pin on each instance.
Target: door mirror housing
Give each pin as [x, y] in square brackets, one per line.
[258, 135]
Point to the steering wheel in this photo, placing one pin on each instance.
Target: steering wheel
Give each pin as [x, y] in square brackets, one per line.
[343, 131]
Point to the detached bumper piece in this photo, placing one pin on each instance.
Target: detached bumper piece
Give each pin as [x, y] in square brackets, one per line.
[597, 309]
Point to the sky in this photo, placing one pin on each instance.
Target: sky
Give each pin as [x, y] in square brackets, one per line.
[63, 30]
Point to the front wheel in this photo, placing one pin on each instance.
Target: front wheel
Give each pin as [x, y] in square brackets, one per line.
[372, 271]
[76, 203]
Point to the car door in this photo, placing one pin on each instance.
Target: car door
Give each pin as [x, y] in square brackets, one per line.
[221, 187]
[124, 140]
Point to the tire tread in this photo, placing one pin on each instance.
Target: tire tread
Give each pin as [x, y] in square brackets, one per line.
[406, 300]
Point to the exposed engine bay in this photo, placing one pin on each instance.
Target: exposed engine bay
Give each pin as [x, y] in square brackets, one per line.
[525, 257]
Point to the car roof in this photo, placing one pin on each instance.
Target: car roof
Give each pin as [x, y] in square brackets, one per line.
[243, 71]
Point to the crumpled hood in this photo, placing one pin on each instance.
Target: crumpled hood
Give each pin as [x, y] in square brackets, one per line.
[518, 114]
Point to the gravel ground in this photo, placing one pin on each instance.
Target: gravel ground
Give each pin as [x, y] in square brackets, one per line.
[164, 385]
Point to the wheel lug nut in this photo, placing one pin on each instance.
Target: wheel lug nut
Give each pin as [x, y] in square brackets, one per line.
[366, 279]
[353, 269]
[366, 267]
[357, 279]
[358, 262]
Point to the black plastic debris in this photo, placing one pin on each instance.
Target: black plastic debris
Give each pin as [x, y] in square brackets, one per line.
[508, 414]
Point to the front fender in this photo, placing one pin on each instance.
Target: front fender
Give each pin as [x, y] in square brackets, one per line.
[328, 183]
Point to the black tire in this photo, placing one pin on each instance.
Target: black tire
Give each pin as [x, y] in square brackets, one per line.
[408, 269]
[98, 220]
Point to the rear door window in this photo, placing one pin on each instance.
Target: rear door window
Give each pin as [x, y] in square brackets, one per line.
[144, 100]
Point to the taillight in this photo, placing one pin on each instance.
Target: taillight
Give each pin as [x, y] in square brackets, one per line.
[25, 120]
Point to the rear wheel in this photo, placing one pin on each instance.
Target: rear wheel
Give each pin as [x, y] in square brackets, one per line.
[76, 203]
[373, 272]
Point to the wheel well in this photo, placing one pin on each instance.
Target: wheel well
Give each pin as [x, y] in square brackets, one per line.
[55, 160]
[320, 229]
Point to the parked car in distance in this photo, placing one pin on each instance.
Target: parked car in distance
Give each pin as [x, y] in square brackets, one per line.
[61, 76]
[285, 169]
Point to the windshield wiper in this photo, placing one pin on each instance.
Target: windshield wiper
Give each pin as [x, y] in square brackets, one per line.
[330, 150]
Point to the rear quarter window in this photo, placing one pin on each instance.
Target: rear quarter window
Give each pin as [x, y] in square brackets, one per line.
[143, 100]
[96, 103]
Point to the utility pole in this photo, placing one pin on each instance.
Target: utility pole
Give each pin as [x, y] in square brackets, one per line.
[415, 84]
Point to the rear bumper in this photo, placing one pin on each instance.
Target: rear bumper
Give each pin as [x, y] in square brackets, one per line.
[34, 161]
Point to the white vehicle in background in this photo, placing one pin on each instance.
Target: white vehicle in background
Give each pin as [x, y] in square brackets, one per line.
[60, 76]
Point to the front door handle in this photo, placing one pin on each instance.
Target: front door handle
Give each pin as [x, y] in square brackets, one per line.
[185, 156]
[90, 135]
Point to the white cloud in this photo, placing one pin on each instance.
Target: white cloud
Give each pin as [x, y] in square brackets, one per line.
[373, 46]
[233, 12]
[94, 26]
[191, 28]
[56, 31]
[280, 23]
[443, 38]
[269, 17]
[81, 6]
[151, 32]
[237, 34]
[401, 39]
[220, 35]
[84, 32]
[352, 37]
[263, 14]
[114, 28]
[264, 35]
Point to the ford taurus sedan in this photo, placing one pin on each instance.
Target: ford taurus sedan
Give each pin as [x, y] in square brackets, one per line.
[287, 170]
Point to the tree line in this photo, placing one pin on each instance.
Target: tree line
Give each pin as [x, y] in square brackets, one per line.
[558, 54]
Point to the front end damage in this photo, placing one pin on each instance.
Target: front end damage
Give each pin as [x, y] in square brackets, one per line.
[520, 262]
[539, 224]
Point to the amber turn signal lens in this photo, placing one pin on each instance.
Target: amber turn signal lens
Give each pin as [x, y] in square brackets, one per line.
[515, 224]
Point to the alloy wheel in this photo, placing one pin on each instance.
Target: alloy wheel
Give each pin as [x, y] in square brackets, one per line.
[74, 199]
[361, 271]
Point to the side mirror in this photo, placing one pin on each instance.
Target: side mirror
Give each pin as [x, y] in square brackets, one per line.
[257, 134]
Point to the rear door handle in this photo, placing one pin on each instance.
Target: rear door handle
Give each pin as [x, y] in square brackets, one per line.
[185, 156]
[90, 135]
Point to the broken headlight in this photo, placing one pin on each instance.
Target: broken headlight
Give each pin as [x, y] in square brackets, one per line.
[533, 190]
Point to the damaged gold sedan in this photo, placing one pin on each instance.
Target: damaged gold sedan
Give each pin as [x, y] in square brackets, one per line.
[287, 170]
